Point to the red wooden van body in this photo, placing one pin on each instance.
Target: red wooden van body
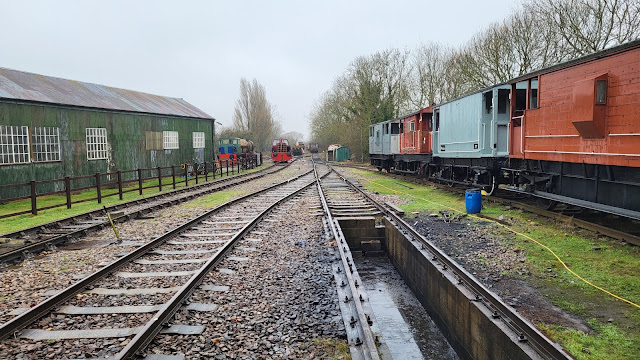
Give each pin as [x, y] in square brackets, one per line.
[416, 134]
[587, 111]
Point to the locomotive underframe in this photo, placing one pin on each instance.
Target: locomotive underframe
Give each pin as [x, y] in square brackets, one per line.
[607, 188]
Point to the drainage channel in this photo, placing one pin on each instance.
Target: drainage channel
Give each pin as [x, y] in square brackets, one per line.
[476, 323]
[400, 326]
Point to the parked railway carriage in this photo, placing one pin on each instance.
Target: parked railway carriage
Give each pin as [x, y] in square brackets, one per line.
[470, 139]
[384, 143]
[575, 132]
[569, 133]
[415, 142]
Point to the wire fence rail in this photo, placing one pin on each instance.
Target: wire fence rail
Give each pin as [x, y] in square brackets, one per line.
[118, 183]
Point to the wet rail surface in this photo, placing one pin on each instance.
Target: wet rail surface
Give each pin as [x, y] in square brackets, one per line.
[20, 245]
[157, 280]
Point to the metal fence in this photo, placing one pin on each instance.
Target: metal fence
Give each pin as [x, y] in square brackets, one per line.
[121, 180]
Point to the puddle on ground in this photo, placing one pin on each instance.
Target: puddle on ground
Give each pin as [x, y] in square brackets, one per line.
[406, 328]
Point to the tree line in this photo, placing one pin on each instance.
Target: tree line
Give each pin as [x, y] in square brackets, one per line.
[393, 82]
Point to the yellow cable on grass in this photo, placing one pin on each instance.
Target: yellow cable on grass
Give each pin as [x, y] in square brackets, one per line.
[517, 233]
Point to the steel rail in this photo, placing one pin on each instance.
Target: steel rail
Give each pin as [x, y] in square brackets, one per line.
[525, 330]
[136, 346]
[21, 252]
[48, 305]
[581, 223]
[368, 349]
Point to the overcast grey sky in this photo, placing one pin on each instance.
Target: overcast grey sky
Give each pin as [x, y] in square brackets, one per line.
[199, 50]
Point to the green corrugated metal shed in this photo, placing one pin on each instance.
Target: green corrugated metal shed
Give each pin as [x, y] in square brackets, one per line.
[134, 123]
[342, 153]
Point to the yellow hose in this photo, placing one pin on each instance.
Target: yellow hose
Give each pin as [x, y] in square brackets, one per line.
[517, 233]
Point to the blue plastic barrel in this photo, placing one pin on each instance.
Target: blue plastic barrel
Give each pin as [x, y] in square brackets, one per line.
[473, 201]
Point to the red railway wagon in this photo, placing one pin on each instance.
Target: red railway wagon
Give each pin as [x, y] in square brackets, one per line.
[281, 151]
[575, 132]
[415, 142]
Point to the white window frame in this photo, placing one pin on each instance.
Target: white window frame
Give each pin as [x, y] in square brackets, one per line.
[45, 142]
[198, 140]
[412, 126]
[14, 144]
[96, 143]
[170, 140]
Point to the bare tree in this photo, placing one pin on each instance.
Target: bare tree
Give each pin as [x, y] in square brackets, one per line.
[254, 115]
[587, 26]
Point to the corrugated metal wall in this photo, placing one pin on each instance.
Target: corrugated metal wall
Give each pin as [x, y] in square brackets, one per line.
[126, 138]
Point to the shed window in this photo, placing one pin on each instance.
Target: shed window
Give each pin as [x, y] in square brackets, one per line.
[412, 126]
[170, 140]
[198, 140]
[46, 143]
[14, 144]
[601, 92]
[96, 143]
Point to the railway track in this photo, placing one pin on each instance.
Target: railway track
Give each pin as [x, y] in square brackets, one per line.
[525, 331]
[23, 244]
[153, 282]
[337, 200]
[588, 220]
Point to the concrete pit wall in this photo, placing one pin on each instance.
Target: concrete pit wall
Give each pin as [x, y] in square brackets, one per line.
[467, 324]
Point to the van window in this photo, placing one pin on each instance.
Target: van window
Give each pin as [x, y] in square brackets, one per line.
[503, 101]
[488, 101]
[533, 101]
[395, 128]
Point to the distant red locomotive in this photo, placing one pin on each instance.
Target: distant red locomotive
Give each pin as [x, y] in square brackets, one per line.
[281, 151]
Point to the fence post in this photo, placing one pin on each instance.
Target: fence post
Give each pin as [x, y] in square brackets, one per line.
[34, 207]
[119, 184]
[140, 181]
[98, 190]
[206, 174]
[159, 179]
[213, 165]
[195, 170]
[220, 167]
[228, 167]
[186, 175]
[67, 190]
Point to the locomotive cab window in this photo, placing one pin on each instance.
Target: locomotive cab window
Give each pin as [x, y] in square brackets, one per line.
[601, 92]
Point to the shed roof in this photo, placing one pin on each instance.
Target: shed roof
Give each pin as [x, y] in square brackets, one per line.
[24, 86]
